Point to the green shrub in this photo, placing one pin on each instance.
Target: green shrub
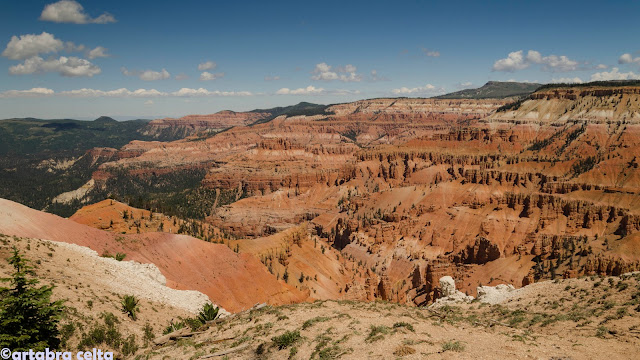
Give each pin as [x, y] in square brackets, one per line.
[602, 331]
[129, 346]
[173, 327]
[66, 332]
[208, 313]
[130, 306]
[287, 339]
[376, 333]
[453, 346]
[106, 333]
[307, 324]
[621, 286]
[148, 333]
[405, 325]
[193, 323]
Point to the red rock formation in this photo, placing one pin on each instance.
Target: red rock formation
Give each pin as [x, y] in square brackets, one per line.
[451, 187]
[191, 124]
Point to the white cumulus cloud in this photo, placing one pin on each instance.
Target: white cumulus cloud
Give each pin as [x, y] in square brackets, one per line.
[514, 61]
[614, 74]
[346, 73]
[147, 75]
[518, 61]
[207, 76]
[70, 11]
[29, 45]
[66, 66]
[628, 59]
[208, 65]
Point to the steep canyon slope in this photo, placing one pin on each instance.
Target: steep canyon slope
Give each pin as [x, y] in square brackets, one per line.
[377, 199]
[233, 281]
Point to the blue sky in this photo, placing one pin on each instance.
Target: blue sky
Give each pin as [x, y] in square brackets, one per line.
[87, 58]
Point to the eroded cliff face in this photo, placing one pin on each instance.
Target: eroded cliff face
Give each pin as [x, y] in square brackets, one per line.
[388, 195]
[192, 124]
[592, 104]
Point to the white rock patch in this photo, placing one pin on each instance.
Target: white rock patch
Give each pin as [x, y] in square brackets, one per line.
[145, 281]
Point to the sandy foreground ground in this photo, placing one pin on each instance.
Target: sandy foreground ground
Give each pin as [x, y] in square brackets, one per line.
[92, 285]
[588, 318]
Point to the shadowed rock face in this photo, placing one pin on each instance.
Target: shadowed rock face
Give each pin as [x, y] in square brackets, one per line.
[410, 190]
[481, 252]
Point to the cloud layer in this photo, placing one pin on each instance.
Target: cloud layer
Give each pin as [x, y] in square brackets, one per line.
[98, 52]
[34, 92]
[147, 75]
[628, 59]
[614, 74]
[309, 90]
[567, 80]
[66, 66]
[121, 93]
[345, 73]
[421, 90]
[207, 76]
[70, 11]
[312, 90]
[208, 65]
[29, 45]
[518, 61]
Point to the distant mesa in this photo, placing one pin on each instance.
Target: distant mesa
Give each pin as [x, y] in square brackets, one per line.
[494, 90]
[105, 119]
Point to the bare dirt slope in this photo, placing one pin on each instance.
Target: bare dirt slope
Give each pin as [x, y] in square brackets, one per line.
[233, 281]
[92, 286]
[587, 318]
[114, 216]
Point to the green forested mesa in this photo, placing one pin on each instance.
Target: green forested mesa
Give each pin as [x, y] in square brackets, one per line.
[26, 145]
[608, 83]
[302, 108]
[65, 137]
[28, 317]
[177, 193]
[494, 90]
[24, 180]
[499, 90]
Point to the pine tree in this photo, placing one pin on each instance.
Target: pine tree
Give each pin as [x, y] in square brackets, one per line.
[28, 317]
